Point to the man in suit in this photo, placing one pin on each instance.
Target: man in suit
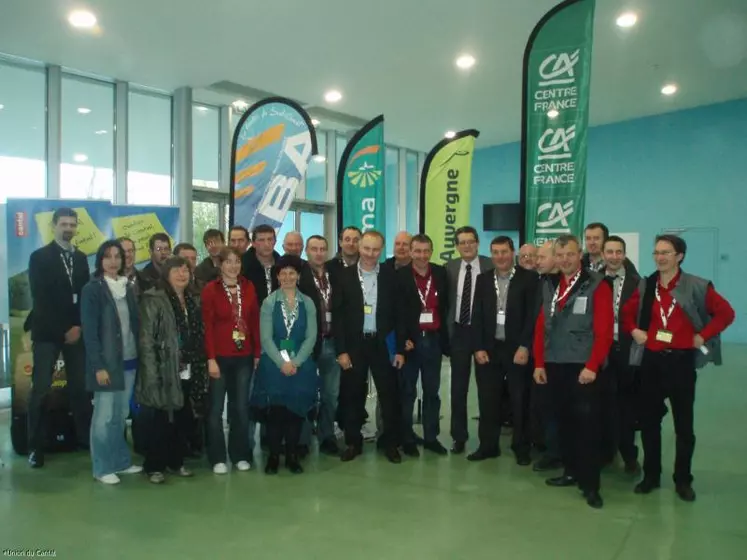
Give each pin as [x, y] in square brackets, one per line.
[257, 262]
[422, 310]
[159, 245]
[401, 251]
[364, 311]
[462, 277]
[595, 234]
[347, 256]
[503, 328]
[57, 274]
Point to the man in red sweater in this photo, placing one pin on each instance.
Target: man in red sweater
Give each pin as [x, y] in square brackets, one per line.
[572, 337]
[680, 318]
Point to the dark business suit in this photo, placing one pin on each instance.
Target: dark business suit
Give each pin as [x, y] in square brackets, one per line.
[149, 277]
[366, 351]
[519, 331]
[460, 343]
[254, 271]
[56, 291]
[335, 266]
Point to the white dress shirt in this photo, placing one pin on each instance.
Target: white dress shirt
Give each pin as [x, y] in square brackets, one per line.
[460, 284]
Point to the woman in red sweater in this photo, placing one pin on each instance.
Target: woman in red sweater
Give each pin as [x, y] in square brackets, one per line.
[231, 315]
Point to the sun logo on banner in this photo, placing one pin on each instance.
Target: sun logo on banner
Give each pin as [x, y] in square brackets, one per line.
[365, 176]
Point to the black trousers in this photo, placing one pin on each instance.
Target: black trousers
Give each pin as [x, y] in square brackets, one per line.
[577, 411]
[283, 425]
[620, 407]
[461, 368]
[493, 378]
[668, 374]
[165, 441]
[371, 353]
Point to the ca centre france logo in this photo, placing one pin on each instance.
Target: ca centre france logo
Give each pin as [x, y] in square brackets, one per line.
[555, 143]
[552, 217]
[558, 69]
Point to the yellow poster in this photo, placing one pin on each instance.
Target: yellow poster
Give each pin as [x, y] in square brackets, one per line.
[88, 239]
[139, 228]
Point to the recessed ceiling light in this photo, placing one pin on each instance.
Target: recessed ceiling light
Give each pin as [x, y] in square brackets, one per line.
[628, 19]
[669, 89]
[84, 110]
[465, 61]
[450, 134]
[200, 108]
[316, 122]
[552, 113]
[319, 158]
[240, 105]
[100, 132]
[332, 96]
[80, 158]
[2, 106]
[82, 19]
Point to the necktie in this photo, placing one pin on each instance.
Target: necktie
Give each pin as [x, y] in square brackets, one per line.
[465, 309]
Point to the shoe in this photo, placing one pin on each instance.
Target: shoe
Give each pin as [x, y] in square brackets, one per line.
[109, 479]
[220, 468]
[392, 455]
[458, 447]
[646, 486]
[329, 447]
[547, 464]
[686, 493]
[594, 499]
[632, 467]
[436, 447]
[36, 460]
[411, 450]
[303, 451]
[156, 477]
[183, 471]
[418, 440]
[293, 464]
[482, 454]
[243, 466]
[132, 469]
[523, 459]
[273, 463]
[561, 481]
[350, 453]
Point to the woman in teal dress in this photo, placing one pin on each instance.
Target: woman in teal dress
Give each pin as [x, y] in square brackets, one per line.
[286, 383]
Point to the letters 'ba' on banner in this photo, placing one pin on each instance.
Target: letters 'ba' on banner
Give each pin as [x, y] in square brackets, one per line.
[557, 74]
[361, 191]
[272, 145]
[445, 185]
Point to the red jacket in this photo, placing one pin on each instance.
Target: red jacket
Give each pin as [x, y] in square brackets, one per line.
[218, 316]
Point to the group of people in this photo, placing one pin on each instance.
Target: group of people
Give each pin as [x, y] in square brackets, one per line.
[573, 349]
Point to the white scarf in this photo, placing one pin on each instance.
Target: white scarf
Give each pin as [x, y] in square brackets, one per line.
[118, 286]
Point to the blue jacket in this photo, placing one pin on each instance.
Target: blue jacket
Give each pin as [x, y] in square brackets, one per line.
[102, 333]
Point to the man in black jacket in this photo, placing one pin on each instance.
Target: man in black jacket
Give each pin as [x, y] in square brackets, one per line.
[257, 262]
[595, 234]
[503, 326]
[422, 311]
[350, 239]
[401, 255]
[57, 274]
[159, 245]
[364, 312]
[209, 268]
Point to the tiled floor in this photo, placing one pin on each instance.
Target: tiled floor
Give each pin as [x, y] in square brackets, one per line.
[429, 508]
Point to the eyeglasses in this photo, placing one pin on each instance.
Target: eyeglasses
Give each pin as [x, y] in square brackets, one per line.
[166, 250]
[663, 253]
[467, 242]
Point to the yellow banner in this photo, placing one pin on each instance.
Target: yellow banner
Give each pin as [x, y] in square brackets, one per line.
[88, 239]
[139, 228]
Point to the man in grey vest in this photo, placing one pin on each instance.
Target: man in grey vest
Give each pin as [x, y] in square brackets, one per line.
[573, 335]
[680, 319]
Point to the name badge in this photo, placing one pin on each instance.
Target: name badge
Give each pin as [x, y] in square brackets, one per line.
[75, 299]
[501, 317]
[328, 317]
[579, 305]
[664, 336]
[284, 354]
[287, 345]
[616, 329]
[426, 317]
[186, 373]
[368, 309]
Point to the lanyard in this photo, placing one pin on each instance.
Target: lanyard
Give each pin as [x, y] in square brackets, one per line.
[67, 262]
[597, 266]
[363, 285]
[323, 291]
[618, 295]
[424, 296]
[238, 316]
[502, 300]
[664, 318]
[268, 279]
[289, 315]
[568, 288]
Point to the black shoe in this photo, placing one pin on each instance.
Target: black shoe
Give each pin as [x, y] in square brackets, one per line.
[36, 460]
[293, 464]
[632, 467]
[350, 453]
[273, 464]
[685, 492]
[457, 448]
[561, 481]
[436, 447]
[329, 447]
[303, 451]
[392, 455]
[411, 450]
[419, 441]
[547, 464]
[594, 499]
[523, 459]
[482, 454]
[646, 486]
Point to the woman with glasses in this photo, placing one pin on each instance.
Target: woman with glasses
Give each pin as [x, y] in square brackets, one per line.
[286, 384]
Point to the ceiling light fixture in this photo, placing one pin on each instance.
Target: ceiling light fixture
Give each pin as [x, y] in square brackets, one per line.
[201, 109]
[332, 96]
[2, 106]
[100, 132]
[80, 158]
[319, 158]
[240, 105]
[82, 19]
[626, 20]
[316, 122]
[450, 134]
[466, 61]
[669, 89]
[83, 110]
[552, 113]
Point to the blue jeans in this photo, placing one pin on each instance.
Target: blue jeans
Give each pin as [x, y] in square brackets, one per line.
[109, 451]
[423, 360]
[235, 376]
[329, 372]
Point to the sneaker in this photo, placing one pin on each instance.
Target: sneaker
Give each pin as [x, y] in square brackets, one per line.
[133, 469]
[108, 479]
[242, 466]
[156, 478]
[183, 472]
[220, 468]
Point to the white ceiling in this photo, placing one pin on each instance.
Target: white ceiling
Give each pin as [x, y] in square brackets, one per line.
[394, 56]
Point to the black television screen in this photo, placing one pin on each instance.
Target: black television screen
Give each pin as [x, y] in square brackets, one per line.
[502, 217]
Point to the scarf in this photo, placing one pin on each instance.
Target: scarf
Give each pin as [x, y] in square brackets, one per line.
[118, 286]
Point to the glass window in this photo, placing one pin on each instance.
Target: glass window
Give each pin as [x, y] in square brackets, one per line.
[340, 143]
[205, 215]
[392, 198]
[87, 166]
[312, 223]
[316, 174]
[205, 146]
[289, 224]
[149, 149]
[413, 193]
[23, 98]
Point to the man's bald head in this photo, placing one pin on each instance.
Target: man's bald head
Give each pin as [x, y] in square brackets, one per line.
[546, 258]
[528, 256]
[402, 247]
[293, 243]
